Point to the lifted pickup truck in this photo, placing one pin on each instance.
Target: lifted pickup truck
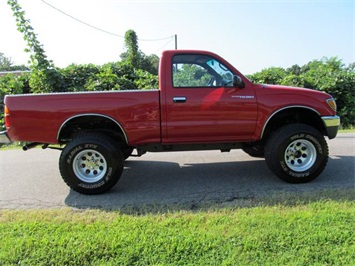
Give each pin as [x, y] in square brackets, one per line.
[203, 103]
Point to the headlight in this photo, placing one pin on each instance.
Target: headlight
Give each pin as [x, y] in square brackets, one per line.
[331, 102]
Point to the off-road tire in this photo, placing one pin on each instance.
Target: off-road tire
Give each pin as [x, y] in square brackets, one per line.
[91, 163]
[296, 153]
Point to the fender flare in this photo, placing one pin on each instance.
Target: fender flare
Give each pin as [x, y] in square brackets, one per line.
[283, 109]
[92, 114]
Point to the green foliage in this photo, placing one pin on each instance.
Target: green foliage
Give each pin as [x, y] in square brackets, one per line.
[146, 80]
[272, 75]
[150, 63]
[111, 76]
[132, 54]
[328, 75]
[190, 75]
[44, 81]
[10, 84]
[75, 77]
[320, 233]
[293, 80]
[43, 73]
[5, 63]
[136, 58]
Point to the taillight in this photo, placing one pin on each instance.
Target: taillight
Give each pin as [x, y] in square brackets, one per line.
[7, 117]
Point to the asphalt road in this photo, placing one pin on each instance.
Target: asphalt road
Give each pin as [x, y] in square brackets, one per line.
[31, 179]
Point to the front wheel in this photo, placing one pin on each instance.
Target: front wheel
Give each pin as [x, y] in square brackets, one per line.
[91, 163]
[297, 153]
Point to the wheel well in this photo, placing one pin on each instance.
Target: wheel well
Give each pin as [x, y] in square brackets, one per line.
[91, 123]
[294, 115]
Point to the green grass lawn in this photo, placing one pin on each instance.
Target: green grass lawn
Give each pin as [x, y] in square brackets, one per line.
[317, 233]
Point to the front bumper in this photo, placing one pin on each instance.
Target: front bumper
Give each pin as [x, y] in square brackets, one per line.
[332, 124]
[4, 138]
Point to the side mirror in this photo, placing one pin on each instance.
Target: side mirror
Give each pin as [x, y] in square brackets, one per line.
[238, 82]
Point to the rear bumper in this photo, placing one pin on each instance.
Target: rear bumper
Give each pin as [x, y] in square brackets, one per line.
[4, 138]
[332, 124]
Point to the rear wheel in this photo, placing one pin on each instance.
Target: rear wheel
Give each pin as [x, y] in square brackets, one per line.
[297, 153]
[91, 163]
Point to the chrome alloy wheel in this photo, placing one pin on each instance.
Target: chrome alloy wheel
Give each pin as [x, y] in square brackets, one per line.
[300, 155]
[89, 166]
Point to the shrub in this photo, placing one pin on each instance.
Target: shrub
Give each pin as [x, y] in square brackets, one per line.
[113, 76]
[10, 84]
[75, 77]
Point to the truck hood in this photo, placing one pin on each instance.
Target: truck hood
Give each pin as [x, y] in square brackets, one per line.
[293, 90]
[281, 87]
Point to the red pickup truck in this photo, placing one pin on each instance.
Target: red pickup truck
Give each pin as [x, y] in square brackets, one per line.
[203, 103]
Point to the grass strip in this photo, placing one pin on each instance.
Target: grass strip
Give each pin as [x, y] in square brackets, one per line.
[318, 233]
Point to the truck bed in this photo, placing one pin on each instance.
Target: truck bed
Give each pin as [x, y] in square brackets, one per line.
[38, 117]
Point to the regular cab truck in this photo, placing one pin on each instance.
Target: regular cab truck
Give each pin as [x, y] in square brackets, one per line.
[203, 103]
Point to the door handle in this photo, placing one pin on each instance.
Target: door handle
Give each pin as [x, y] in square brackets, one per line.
[179, 99]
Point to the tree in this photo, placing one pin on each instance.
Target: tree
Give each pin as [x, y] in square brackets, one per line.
[150, 63]
[132, 54]
[5, 63]
[295, 69]
[137, 58]
[351, 67]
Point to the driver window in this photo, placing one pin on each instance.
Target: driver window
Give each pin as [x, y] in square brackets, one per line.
[190, 75]
[199, 71]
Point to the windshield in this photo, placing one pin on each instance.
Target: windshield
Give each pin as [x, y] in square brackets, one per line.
[220, 69]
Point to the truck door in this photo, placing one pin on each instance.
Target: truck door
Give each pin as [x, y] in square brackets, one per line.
[202, 105]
